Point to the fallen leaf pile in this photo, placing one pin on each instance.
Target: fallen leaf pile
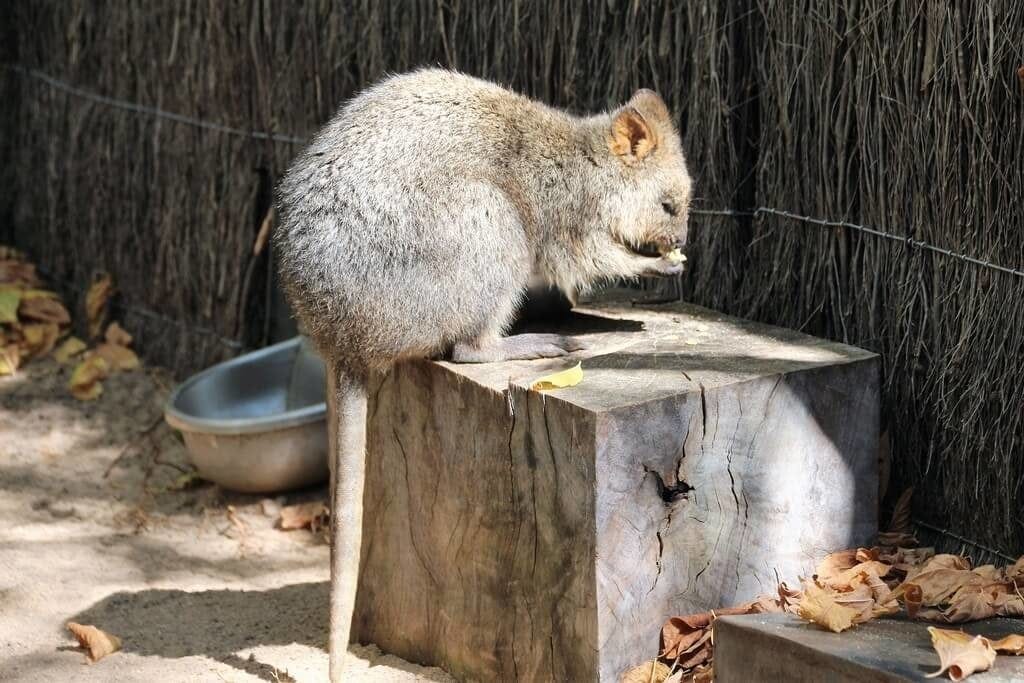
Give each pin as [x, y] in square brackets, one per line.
[687, 643]
[109, 356]
[34, 323]
[850, 587]
[32, 320]
[98, 644]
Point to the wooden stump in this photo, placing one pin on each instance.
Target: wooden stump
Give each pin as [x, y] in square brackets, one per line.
[516, 535]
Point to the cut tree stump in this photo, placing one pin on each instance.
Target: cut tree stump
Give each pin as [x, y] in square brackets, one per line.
[517, 535]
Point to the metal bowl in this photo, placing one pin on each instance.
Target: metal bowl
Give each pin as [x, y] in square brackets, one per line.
[256, 423]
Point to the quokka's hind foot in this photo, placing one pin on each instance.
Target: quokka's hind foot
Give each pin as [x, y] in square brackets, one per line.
[517, 347]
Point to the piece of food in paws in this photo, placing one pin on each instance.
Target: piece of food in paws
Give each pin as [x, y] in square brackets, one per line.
[675, 257]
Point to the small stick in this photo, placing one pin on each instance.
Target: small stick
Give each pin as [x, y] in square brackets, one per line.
[132, 444]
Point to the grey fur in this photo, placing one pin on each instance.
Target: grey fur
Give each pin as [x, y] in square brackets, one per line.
[415, 218]
[413, 223]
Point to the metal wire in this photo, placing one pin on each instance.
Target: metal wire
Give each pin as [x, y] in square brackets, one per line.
[151, 111]
[907, 241]
[291, 139]
[965, 541]
[143, 312]
[189, 327]
[63, 86]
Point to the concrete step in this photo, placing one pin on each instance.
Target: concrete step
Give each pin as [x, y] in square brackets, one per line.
[781, 647]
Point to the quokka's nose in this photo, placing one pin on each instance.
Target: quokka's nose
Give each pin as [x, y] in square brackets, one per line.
[681, 235]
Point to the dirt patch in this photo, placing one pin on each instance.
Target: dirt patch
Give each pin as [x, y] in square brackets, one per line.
[104, 525]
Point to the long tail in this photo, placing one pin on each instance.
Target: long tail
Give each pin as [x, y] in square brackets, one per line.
[347, 445]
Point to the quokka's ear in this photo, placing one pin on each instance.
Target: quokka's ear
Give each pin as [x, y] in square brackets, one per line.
[650, 104]
[632, 138]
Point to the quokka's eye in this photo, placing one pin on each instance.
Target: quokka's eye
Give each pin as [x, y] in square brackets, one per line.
[670, 208]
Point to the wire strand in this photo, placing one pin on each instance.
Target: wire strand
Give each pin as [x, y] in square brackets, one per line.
[295, 140]
[151, 111]
[908, 241]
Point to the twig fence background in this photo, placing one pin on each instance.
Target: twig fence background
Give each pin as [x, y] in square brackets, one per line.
[860, 163]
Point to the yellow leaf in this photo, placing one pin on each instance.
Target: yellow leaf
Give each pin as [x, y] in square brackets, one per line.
[38, 293]
[1010, 645]
[98, 643]
[72, 346]
[117, 335]
[559, 380]
[819, 606]
[648, 671]
[10, 299]
[960, 653]
[10, 359]
[85, 380]
[40, 338]
[118, 357]
[96, 303]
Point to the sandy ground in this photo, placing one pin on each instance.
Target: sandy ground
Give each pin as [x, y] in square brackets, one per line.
[196, 581]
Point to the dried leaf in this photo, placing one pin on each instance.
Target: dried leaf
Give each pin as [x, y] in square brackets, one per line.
[96, 300]
[677, 677]
[946, 561]
[39, 338]
[938, 585]
[10, 299]
[1010, 645]
[1011, 605]
[989, 572]
[860, 599]
[18, 272]
[303, 515]
[885, 601]
[849, 577]
[117, 357]
[835, 564]
[704, 674]
[868, 554]
[98, 643]
[264, 232]
[969, 606]
[913, 598]
[559, 380]
[44, 309]
[679, 634]
[688, 634]
[117, 335]
[10, 359]
[653, 671]
[72, 346]
[1015, 572]
[960, 653]
[819, 607]
[85, 383]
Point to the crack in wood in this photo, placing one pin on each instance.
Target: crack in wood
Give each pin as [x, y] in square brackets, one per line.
[408, 490]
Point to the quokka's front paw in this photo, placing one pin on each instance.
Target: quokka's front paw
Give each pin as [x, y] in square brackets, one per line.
[667, 265]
